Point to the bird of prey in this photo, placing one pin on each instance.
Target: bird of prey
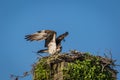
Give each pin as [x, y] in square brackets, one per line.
[52, 42]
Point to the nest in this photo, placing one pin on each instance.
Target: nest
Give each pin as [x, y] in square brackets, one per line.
[58, 67]
[51, 63]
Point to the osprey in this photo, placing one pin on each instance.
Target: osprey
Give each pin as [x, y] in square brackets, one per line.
[52, 42]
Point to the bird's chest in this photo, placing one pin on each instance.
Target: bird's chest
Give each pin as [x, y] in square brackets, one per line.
[52, 47]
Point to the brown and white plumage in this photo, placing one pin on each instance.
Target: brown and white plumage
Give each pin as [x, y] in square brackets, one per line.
[59, 39]
[52, 43]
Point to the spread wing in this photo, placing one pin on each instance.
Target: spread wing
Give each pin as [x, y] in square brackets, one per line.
[61, 37]
[46, 35]
[39, 35]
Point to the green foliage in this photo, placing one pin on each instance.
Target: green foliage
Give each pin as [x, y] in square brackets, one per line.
[89, 69]
[41, 70]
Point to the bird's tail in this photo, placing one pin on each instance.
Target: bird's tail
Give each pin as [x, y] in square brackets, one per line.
[43, 51]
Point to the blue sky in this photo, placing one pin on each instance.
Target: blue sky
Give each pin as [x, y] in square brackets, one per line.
[93, 26]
